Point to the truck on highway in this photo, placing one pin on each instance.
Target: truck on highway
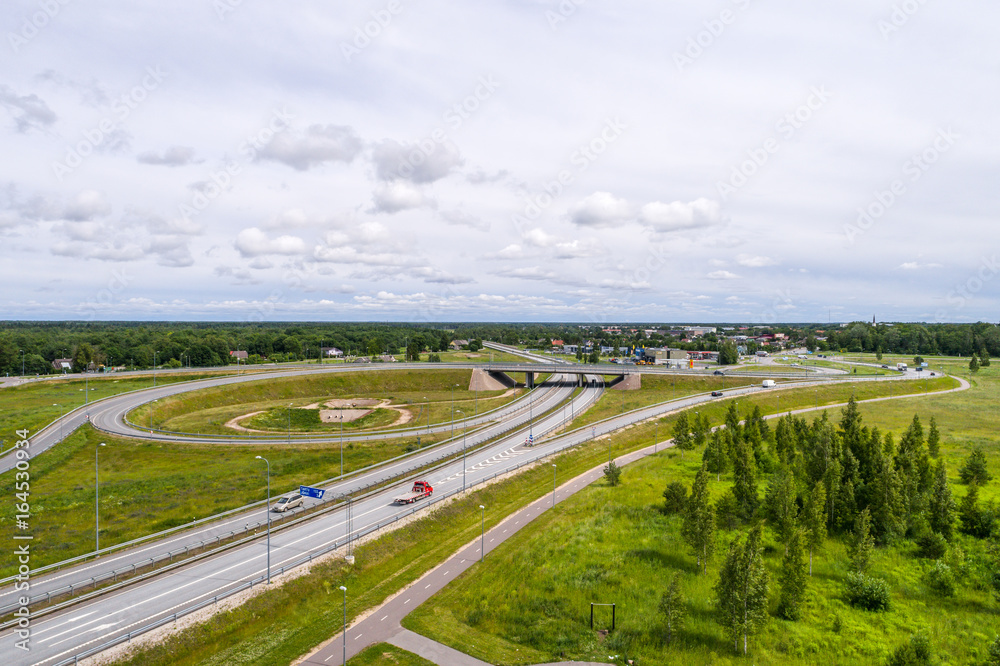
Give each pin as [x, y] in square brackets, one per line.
[420, 490]
[767, 383]
[901, 367]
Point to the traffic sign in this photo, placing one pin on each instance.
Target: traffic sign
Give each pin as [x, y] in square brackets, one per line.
[306, 491]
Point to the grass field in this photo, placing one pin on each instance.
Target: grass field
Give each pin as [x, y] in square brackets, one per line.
[383, 654]
[616, 545]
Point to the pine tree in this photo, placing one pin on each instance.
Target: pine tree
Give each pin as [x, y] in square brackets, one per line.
[793, 577]
[673, 607]
[698, 529]
[745, 480]
[700, 429]
[733, 421]
[860, 549]
[941, 507]
[975, 469]
[814, 519]
[984, 358]
[715, 456]
[974, 364]
[933, 439]
[780, 506]
[742, 589]
[682, 434]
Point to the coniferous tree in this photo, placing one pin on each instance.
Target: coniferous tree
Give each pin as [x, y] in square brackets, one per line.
[673, 607]
[793, 577]
[715, 456]
[862, 545]
[933, 439]
[974, 364]
[733, 421]
[941, 507]
[780, 506]
[745, 480]
[698, 529]
[885, 503]
[975, 469]
[984, 358]
[682, 434]
[742, 588]
[814, 520]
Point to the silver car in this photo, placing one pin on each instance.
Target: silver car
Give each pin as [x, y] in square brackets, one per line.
[286, 503]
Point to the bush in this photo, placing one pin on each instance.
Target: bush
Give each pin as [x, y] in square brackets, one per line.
[434, 358]
[868, 592]
[941, 580]
[917, 652]
[675, 497]
[932, 545]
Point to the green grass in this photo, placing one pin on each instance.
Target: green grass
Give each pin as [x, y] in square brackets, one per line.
[383, 654]
[615, 545]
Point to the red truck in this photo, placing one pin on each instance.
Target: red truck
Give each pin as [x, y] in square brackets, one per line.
[420, 490]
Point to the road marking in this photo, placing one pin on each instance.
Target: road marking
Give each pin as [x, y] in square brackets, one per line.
[406, 602]
[446, 572]
[383, 619]
[357, 637]
[427, 585]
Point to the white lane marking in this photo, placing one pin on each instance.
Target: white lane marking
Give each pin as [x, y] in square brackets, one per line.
[406, 602]
[358, 636]
[383, 619]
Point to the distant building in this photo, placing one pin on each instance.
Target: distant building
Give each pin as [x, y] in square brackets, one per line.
[242, 355]
[63, 364]
[458, 344]
[331, 352]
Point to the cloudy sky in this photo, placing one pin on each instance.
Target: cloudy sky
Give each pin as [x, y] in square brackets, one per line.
[518, 160]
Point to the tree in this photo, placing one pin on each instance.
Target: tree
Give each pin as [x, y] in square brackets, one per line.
[975, 521]
[715, 455]
[793, 577]
[675, 497]
[933, 439]
[975, 469]
[915, 652]
[993, 652]
[698, 529]
[984, 358]
[941, 505]
[814, 520]
[682, 434]
[613, 473]
[700, 428]
[742, 588]
[974, 364]
[861, 546]
[413, 351]
[728, 354]
[673, 607]
[745, 480]
[780, 506]
[918, 361]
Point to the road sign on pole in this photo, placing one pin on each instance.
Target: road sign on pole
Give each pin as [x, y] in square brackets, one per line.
[306, 491]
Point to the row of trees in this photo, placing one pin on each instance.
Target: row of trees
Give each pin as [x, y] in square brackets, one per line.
[845, 480]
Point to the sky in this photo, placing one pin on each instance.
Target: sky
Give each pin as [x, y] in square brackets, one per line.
[520, 160]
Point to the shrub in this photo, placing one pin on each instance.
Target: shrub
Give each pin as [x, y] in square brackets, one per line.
[941, 580]
[916, 652]
[434, 358]
[675, 497]
[868, 592]
[932, 545]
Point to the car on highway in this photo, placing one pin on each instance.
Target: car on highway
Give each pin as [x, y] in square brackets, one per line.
[716, 394]
[885, 366]
[718, 372]
[286, 503]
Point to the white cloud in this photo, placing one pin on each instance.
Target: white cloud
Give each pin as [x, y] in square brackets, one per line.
[398, 196]
[464, 219]
[679, 215]
[423, 163]
[173, 157]
[253, 242]
[917, 266]
[722, 275]
[29, 111]
[600, 209]
[751, 261]
[317, 145]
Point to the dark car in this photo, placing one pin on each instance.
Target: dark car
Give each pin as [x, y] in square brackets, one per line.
[716, 394]
[286, 503]
[885, 366]
[718, 372]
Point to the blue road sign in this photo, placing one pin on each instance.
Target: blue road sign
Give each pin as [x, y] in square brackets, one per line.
[306, 491]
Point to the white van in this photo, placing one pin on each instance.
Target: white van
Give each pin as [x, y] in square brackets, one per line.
[768, 383]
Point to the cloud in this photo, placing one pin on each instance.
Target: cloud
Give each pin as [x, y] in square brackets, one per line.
[722, 275]
[600, 209]
[415, 163]
[754, 262]
[463, 219]
[527, 273]
[88, 205]
[398, 195]
[678, 215]
[173, 156]
[513, 251]
[29, 111]
[318, 145]
[917, 266]
[253, 242]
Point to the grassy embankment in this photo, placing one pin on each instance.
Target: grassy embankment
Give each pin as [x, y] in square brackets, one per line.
[285, 623]
[383, 654]
[616, 545]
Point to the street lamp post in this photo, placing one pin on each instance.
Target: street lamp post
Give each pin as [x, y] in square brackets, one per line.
[553, 485]
[289, 413]
[344, 590]
[154, 368]
[341, 442]
[97, 500]
[267, 508]
[453, 410]
[482, 533]
[22, 361]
